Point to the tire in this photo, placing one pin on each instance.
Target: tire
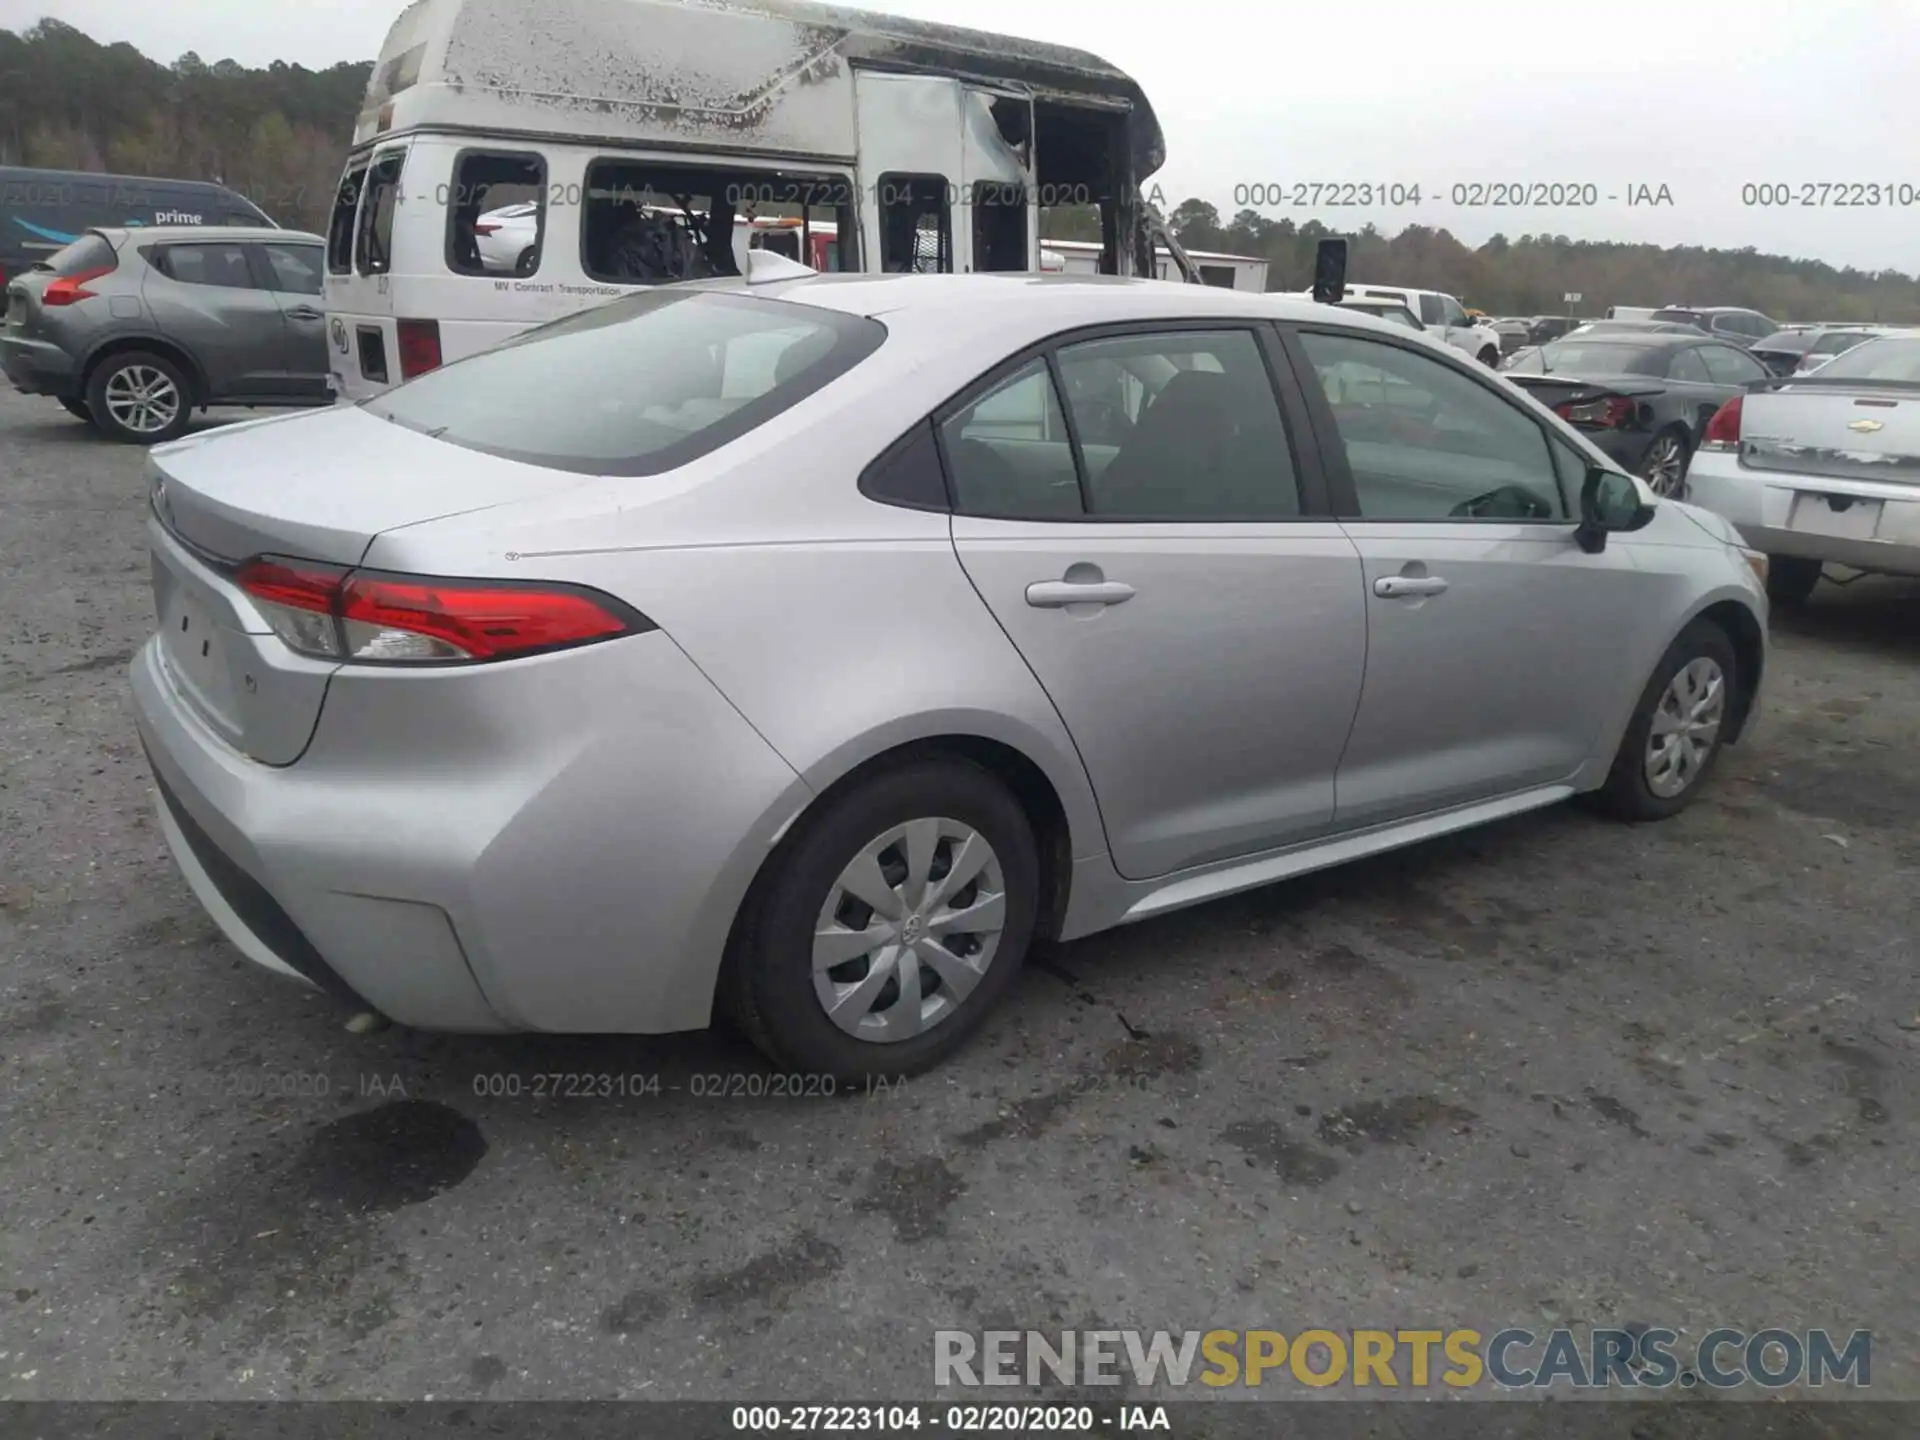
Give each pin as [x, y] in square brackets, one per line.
[1490, 358]
[523, 265]
[768, 986]
[1628, 793]
[113, 398]
[1791, 578]
[1664, 466]
[76, 408]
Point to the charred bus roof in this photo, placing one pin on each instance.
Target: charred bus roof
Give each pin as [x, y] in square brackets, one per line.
[769, 77]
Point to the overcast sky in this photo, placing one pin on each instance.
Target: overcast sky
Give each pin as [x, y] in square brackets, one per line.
[1701, 96]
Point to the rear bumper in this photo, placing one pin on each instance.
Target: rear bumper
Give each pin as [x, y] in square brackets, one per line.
[1761, 505]
[37, 367]
[554, 844]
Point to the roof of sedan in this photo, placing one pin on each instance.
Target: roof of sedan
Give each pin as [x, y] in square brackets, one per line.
[1016, 293]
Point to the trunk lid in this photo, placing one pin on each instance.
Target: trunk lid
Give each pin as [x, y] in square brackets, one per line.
[314, 487]
[1844, 432]
[321, 486]
[1552, 390]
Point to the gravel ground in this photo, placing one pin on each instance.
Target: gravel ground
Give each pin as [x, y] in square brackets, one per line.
[1553, 1072]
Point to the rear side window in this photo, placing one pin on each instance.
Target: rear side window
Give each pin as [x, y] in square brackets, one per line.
[88, 253]
[373, 246]
[346, 207]
[496, 212]
[639, 386]
[223, 265]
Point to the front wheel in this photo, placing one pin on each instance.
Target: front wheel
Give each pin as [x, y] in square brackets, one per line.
[1791, 578]
[888, 925]
[1675, 736]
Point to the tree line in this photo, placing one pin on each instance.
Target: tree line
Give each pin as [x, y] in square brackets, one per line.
[279, 135]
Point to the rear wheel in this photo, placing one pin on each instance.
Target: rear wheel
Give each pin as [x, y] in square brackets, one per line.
[888, 925]
[76, 408]
[1791, 578]
[1664, 466]
[139, 398]
[1675, 736]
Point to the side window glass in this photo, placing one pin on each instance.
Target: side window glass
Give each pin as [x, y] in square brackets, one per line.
[999, 226]
[1688, 366]
[373, 247]
[916, 224]
[222, 266]
[1424, 442]
[295, 268]
[1180, 426]
[1731, 367]
[1008, 454]
[496, 213]
[1431, 310]
[346, 208]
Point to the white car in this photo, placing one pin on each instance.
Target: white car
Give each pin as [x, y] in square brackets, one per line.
[1444, 316]
[508, 237]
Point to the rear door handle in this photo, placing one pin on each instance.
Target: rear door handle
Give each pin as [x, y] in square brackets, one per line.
[1058, 594]
[1399, 587]
[306, 312]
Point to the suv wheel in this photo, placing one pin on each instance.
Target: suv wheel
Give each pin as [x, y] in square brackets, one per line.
[1675, 736]
[1791, 578]
[887, 926]
[140, 398]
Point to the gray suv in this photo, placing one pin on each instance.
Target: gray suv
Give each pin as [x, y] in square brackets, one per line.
[133, 329]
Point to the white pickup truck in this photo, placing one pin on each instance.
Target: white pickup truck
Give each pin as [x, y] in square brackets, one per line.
[1444, 317]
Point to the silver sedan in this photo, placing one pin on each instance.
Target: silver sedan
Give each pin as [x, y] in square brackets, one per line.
[812, 648]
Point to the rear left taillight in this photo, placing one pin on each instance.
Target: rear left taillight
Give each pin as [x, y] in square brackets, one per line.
[1610, 413]
[371, 617]
[419, 346]
[71, 289]
[1723, 431]
[486, 228]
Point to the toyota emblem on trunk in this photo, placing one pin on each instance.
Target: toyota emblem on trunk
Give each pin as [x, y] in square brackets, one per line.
[340, 335]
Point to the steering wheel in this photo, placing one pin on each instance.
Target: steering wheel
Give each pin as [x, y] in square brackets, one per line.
[1509, 502]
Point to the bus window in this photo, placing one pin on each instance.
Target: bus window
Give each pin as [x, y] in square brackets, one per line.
[373, 246]
[496, 213]
[999, 226]
[346, 205]
[916, 229]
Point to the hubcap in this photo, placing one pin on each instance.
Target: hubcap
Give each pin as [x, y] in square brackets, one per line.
[908, 930]
[1665, 467]
[1686, 727]
[142, 399]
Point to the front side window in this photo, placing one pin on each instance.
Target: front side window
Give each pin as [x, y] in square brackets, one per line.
[295, 269]
[639, 386]
[1728, 366]
[373, 246]
[496, 213]
[222, 265]
[1426, 443]
[916, 224]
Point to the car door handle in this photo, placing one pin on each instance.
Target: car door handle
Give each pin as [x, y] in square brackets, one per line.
[1399, 587]
[1058, 594]
[306, 312]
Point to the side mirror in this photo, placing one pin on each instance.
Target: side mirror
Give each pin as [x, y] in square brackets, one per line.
[1609, 503]
[1330, 271]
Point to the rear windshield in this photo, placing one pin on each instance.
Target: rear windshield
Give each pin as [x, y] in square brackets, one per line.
[1571, 357]
[1787, 342]
[89, 252]
[639, 386]
[1890, 359]
[1839, 342]
[1683, 317]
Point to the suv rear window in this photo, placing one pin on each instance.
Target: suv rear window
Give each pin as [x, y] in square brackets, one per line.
[89, 252]
[639, 386]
